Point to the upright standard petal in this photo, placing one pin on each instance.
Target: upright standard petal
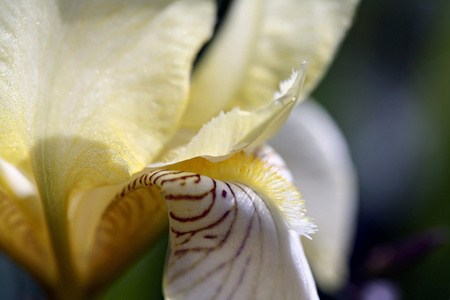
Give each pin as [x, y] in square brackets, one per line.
[235, 231]
[263, 39]
[317, 155]
[91, 91]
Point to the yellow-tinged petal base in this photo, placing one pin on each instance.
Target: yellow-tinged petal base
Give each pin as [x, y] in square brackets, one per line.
[26, 240]
[128, 227]
[250, 171]
[87, 103]
[233, 225]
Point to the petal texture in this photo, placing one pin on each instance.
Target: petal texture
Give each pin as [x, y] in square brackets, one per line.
[230, 231]
[272, 36]
[26, 240]
[90, 92]
[317, 155]
[231, 132]
[128, 226]
[97, 87]
[227, 245]
[23, 232]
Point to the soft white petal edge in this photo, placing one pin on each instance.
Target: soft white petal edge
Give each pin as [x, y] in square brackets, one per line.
[231, 132]
[318, 157]
[226, 242]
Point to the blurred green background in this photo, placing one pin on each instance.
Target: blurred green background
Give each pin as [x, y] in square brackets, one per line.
[389, 91]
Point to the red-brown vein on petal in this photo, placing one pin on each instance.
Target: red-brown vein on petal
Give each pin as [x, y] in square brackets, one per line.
[194, 232]
[128, 225]
[158, 178]
[187, 197]
[255, 214]
[230, 261]
[204, 213]
[212, 225]
[233, 259]
[262, 255]
[255, 283]
[224, 240]
[182, 178]
[234, 209]
[241, 278]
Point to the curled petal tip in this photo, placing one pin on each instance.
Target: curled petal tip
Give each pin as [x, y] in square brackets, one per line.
[297, 86]
[291, 88]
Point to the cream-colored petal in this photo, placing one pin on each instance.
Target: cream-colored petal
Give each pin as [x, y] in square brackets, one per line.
[92, 90]
[227, 60]
[317, 155]
[22, 190]
[26, 240]
[90, 93]
[231, 132]
[128, 226]
[23, 231]
[230, 235]
[268, 155]
[273, 36]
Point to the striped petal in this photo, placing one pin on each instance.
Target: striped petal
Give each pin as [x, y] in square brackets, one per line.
[128, 226]
[317, 155]
[235, 231]
[256, 48]
[220, 138]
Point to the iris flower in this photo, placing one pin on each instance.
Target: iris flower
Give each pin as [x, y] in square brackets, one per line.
[108, 137]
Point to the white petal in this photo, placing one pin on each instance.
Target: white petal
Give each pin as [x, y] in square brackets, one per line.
[317, 155]
[226, 242]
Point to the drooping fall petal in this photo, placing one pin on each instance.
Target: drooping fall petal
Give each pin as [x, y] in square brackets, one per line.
[234, 231]
[256, 48]
[318, 157]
